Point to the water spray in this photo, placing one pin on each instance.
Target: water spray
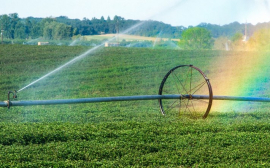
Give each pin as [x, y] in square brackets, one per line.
[185, 89]
[101, 45]
[80, 57]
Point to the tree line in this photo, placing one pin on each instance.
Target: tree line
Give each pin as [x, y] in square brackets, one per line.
[62, 27]
[16, 28]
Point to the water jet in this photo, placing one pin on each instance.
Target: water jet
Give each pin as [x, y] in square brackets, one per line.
[185, 89]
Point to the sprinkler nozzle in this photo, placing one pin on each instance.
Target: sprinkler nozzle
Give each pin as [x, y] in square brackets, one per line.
[15, 94]
[14, 97]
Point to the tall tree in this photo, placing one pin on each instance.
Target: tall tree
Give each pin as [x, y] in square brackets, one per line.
[57, 31]
[28, 27]
[5, 25]
[102, 19]
[19, 32]
[62, 31]
[196, 38]
[14, 20]
[37, 30]
[108, 19]
[48, 30]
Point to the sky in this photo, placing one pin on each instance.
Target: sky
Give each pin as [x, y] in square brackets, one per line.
[175, 12]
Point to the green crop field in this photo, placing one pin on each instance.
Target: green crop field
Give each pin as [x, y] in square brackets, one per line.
[118, 134]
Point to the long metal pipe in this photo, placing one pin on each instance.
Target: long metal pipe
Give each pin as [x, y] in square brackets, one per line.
[126, 98]
[87, 100]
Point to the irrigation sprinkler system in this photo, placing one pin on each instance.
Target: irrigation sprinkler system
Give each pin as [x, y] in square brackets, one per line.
[185, 89]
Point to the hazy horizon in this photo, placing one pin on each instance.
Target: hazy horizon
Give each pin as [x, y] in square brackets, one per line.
[174, 12]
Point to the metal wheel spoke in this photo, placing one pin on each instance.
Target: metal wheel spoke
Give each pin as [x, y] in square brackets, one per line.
[186, 80]
[198, 87]
[193, 106]
[187, 77]
[190, 111]
[186, 105]
[171, 106]
[183, 86]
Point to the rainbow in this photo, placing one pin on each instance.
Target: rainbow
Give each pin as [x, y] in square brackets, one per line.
[241, 73]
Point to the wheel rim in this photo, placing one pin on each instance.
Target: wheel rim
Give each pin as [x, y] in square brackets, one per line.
[186, 80]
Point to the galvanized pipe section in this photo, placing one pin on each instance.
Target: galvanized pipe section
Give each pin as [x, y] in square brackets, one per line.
[3, 104]
[127, 98]
[88, 100]
[234, 98]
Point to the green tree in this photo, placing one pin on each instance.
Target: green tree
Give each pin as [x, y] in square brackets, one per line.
[196, 38]
[108, 19]
[48, 30]
[62, 31]
[28, 27]
[237, 41]
[260, 40]
[19, 31]
[237, 37]
[37, 30]
[5, 25]
[14, 20]
[57, 31]
[75, 31]
[102, 19]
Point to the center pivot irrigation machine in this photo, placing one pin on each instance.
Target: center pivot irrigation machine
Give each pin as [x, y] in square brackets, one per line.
[184, 89]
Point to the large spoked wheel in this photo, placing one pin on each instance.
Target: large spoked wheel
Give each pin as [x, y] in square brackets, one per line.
[189, 82]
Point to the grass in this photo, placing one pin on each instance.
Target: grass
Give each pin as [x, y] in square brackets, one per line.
[222, 140]
[117, 134]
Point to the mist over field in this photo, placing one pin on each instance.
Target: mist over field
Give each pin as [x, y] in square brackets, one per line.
[184, 55]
